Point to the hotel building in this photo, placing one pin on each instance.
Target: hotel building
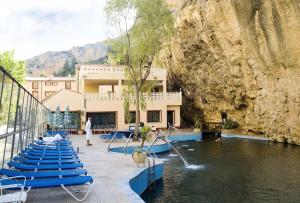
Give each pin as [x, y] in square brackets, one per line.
[96, 91]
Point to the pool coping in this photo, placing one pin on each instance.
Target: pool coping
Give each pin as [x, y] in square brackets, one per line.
[249, 137]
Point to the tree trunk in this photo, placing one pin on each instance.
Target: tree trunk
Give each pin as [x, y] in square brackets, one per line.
[137, 113]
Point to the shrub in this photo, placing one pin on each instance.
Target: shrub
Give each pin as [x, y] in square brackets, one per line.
[230, 124]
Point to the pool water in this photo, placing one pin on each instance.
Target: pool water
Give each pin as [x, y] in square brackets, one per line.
[235, 170]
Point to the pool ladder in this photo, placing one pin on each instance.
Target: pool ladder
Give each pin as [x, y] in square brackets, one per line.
[146, 152]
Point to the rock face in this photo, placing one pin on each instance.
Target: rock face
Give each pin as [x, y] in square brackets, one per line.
[51, 62]
[241, 58]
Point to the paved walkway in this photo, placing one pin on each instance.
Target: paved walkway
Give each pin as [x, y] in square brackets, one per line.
[111, 173]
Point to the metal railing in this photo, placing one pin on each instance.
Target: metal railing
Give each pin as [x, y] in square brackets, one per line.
[155, 96]
[22, 117]
[162, 137]
[125, 147]
[116, 70]
[112, 139]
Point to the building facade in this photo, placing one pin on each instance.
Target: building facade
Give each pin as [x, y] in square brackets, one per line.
[42, 87]
[98, 93]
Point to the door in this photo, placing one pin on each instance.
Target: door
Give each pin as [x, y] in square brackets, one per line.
[170, 118]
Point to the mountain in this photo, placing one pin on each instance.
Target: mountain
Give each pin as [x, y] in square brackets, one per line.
[52, 62]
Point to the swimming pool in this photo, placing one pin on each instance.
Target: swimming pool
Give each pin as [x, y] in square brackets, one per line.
[161, 147]
[235, 170]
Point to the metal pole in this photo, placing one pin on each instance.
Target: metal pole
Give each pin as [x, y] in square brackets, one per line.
[28, 119]
[15, 124]
[2, 85]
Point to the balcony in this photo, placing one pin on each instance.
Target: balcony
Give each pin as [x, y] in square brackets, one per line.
[170, 98]
[116, 72]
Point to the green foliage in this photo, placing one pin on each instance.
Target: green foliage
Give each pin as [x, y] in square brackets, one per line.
[66, 70]
[230, 124]
[9, 93]
[142, 28]
[16, 68]
[144, 134]
[43, 75]
[197, 121]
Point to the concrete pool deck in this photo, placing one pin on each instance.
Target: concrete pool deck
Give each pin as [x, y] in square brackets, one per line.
[111, 173]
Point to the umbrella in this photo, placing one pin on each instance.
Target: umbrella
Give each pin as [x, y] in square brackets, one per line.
[58, 118]
[50, 118]
[67, 117]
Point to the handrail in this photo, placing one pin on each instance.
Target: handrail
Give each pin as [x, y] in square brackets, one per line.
[160, 136]
[112, 139]
[156, 137]
[127, 142]
[153, 160]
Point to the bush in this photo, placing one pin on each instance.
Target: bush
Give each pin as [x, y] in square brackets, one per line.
[230, 124]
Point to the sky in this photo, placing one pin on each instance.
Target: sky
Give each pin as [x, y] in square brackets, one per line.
[32, 27]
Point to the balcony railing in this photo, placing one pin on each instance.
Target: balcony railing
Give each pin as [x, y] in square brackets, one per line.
[119, 70]
[157, 96]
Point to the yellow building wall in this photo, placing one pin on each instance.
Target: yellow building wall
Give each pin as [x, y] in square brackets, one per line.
[91, 88]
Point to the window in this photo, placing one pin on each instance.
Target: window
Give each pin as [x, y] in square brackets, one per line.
[48, 93]
[35, 94]
[68, 85]
[35, 85]
[51, 83]
[132, 117]
[153, 116]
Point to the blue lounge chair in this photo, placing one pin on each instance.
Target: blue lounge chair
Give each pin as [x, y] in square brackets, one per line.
[43, 174]
[49, 151]
[30, 161]
[60, 143]
[49, 147]
[53, 182]
[39, 153]
[27, 167]
[43, 157]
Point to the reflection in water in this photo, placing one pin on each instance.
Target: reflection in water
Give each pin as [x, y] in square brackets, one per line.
[235, 171]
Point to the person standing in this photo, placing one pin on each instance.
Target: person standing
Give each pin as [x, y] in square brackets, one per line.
[88, 131]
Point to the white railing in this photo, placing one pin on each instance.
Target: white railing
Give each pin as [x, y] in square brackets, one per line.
[157, 96]
[107, 69]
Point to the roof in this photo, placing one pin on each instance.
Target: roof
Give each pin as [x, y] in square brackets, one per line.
[50, 78]
[65, 98]
[55, 93]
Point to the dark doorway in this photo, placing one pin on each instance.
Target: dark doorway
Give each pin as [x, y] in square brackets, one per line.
[102, 119]
[224, 117]
[170, 118]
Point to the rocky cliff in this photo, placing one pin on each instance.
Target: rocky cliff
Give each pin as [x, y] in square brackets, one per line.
[240, 58]
[50, 62]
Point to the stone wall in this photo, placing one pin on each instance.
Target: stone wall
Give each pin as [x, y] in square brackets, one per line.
[241, 58]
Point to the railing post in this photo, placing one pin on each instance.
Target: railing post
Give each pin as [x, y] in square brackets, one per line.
[15, 124]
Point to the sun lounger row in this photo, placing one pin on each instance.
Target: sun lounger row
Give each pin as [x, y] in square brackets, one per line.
[45, 165]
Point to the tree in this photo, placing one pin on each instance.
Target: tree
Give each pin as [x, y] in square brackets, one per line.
[9, 93]
[67, 69]
[141, 27]
[16, 68]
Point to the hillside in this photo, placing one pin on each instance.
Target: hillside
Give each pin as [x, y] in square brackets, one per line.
[51, 63]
